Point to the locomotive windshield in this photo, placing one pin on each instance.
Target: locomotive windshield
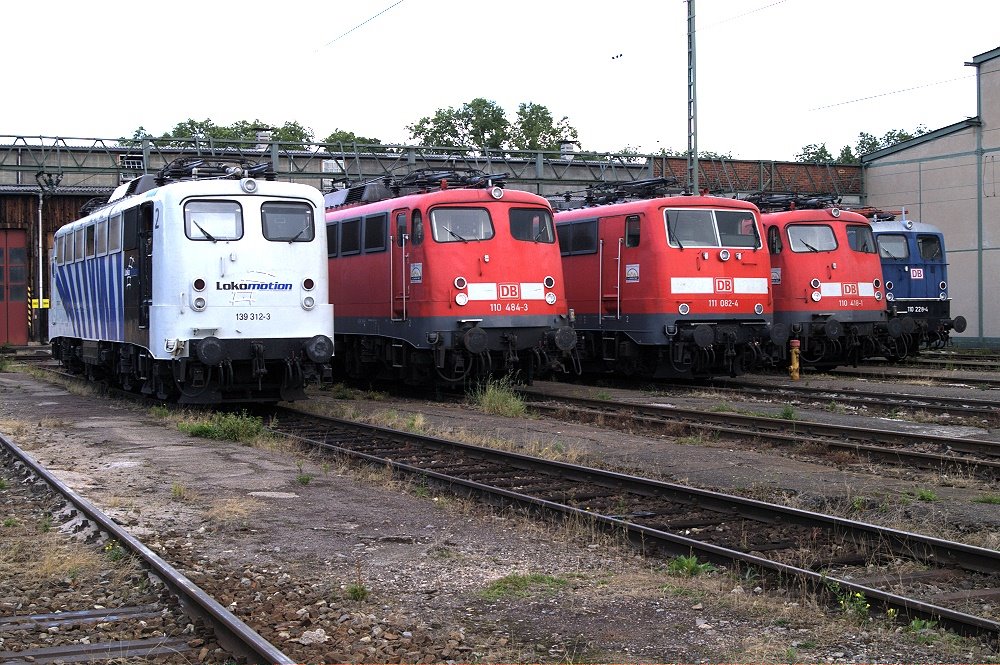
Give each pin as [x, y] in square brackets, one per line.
[711, 228]
[860, 238]
[213, 220]
[287, 222]
[461, 224]
[811, 238]
[531, 224]
[930, 247]
[891, 246]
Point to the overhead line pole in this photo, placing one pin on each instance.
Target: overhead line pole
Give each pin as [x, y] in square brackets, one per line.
[692, 157]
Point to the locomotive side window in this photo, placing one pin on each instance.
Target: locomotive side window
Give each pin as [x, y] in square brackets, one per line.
[331, 238]
[892, 246]
[418, 228]
[375, 232]
[68, 251]
[102, 237]
[461, 224]
[737, 228]
[80, 244]
[91, 237]
[115, 234]
[578, 237]
[860, 238]
[531, 224]
[287, 222]
[811, 238]
[350, 237]
[774, 240]
[213, 220]
[930, 247]
[632, 231]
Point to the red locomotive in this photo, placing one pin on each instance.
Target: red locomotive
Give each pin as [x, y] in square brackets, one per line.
[826, 279]
[443, 277]
[667, 286]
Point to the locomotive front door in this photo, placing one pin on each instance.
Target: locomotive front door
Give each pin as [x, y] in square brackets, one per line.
[146, 264]
[612, 234]
[13, 287]
[399, 265]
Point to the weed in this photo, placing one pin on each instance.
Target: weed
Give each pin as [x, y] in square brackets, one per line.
[522, 585]
[986, 498]
[115, 551]
[178, 492]
[303, 478]
[10, 521]
[498, 397]
[926, 495]
[854, 604]
[421, 491]
[603, 395]
[4, 364]
[159, 411]
[357, 591]
[4, 484]
[226, 426]
[787, 413]
[45, 524]
[689, 566]
[921, 624]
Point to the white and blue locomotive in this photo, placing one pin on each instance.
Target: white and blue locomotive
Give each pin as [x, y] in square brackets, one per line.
[205, 282]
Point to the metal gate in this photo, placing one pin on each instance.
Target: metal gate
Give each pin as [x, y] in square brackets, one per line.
[13, 287]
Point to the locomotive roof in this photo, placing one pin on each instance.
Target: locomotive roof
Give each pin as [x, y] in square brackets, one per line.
[903, 226]
[438, 197]
[631, 206]
[814, 215]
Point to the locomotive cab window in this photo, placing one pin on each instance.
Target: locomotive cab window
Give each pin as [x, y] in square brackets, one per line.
[690, 228]
[331, 238]
[860, 238]
[115, 234]
[930, 247]
[892, 246]
[287, 222]
[811, 238]
[532, 225]
[737, 228]
[400, 228]
[418, 228]
[461, 224]
[80, 243]
[91, 237]
[102, 237]
[578, 237]
[774, 240]
[213, 220]
[375, 232]
[350, 237]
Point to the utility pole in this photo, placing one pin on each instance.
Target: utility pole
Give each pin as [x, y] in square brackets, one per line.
[47, 186]
[692, 161]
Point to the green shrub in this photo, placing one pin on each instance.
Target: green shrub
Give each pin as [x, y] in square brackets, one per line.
[226, 426]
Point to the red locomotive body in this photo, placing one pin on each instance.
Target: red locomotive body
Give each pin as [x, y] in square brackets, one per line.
[826, 278]
[449, 278]
[664, 287]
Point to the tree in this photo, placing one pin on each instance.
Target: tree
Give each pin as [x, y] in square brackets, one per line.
[482, 123]
[814, 152]
[244, 131]
[342, 136]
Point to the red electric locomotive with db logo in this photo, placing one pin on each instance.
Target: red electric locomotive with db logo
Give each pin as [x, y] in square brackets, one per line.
[667, 286]
[443, 277]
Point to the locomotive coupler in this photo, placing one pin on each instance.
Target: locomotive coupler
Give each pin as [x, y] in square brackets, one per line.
[257, 359]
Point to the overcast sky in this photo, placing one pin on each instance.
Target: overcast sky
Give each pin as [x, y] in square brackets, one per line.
[773, 76]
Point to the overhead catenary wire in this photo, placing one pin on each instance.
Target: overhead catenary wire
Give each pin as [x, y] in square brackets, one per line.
[368, 20]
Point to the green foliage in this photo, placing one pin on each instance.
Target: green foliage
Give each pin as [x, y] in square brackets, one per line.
[114, 551]
[520, 586]
[45, 524]
[817, 152]
[689, 566]
[921, 624]
[10, 521]
[357, 592]
[814, 153]
[303, 478]
[787, 412]
[4, 484]
[178, 492]
[243, 131]
[498, 397]
[226, 426]
[854, 604]
[159, 411]
[482, 123]
[343, 136]
[926, 495]
[986, 498]
[4, 364]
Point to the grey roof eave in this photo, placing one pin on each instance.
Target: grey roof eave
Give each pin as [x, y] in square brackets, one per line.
[918, 140]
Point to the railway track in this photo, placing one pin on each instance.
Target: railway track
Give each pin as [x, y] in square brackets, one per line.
[153, 628]
[913, 575]
[938, 453]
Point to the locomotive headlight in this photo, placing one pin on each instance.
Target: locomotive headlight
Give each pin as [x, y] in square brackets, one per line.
[814, 283]
[684, 308]
[943, 296]
[888, 286]
[198, 284]
[550, 298]
[877, 282]
[816, 296]
[890, 297]
[758, 309]
[878, 295]
[308, 284]
[462, 299]
[248, 185]
[724, 255]
[835, 212]
[308, 302]
[943, 285]
[461, 282]
[496, 193]
[199, 304]
[550, 281]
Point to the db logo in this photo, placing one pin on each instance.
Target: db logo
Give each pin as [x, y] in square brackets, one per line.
[509, 291]
[850, 289]
[916, 273]
[723, 285]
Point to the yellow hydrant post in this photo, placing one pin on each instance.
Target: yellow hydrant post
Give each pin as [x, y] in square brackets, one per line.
[793, 367]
